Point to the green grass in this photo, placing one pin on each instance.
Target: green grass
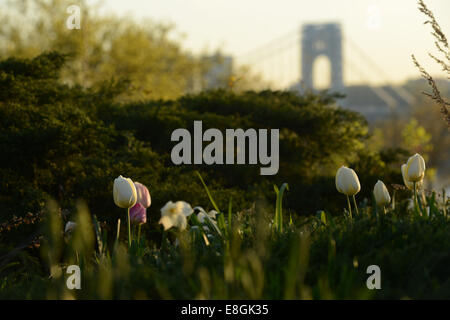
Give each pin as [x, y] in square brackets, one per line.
[251, 254]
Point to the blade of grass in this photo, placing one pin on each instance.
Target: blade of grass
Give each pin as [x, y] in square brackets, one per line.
[229, 216]
[279, 206]
[444, 202]
[207, 192]
[98, 234]
[276, 219]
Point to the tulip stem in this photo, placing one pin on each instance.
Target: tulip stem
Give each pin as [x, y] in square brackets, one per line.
[415, 194]
[139, 233]
[422, 212]
[118, 230]
[118, 234]
[356, 206]
[349, 207]
[129, 229]
[393, 200]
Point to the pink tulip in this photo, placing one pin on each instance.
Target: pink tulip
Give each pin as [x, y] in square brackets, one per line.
[143, 196]
[138, 214]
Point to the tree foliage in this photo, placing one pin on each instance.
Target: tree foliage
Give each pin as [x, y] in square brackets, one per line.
[145, 53]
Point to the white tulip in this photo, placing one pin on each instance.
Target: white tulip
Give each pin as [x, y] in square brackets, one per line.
[347, 181]
[415, 168]
[381, 194]
[409, 184]
[174, 214]
[124, 192]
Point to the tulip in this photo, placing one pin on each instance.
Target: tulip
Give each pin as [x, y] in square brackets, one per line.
[124, 192]
[381, 193]
[174, 214]
[409, 184]
[415, 172]
[143, 196]
[415, 168]
[138, 214]
[347, 182]
[125, 196]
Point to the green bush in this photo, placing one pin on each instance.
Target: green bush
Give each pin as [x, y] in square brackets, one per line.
[69, 143]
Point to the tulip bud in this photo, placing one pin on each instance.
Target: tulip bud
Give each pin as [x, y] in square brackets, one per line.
[381, 194]
[138, 214]
[415, 168]
[347, 181]
[409, 184]
[143, 196]
[124, 192]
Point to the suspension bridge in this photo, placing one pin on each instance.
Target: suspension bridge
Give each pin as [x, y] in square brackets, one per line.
[288, 63]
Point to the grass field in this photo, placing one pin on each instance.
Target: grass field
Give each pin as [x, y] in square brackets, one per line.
[259, 253]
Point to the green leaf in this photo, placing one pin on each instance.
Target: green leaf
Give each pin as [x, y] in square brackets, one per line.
[207, 191]
[279, 207]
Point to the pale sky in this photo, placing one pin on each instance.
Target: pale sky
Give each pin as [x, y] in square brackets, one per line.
[389, 31]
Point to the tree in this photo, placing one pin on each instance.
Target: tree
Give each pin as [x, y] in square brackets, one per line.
[104, 47]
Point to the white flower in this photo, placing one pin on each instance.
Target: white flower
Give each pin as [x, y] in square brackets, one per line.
[204, 217]
[381, 194]
[415, 168]
[409, 184]
[174, 214]
[347, 181]
[124, 192]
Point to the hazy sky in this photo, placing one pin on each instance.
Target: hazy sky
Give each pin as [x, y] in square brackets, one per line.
[387, 30]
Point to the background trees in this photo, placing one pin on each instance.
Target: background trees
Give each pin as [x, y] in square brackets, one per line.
[147, 53]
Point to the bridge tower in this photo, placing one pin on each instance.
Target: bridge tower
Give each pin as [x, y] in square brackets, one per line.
[317, 40]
